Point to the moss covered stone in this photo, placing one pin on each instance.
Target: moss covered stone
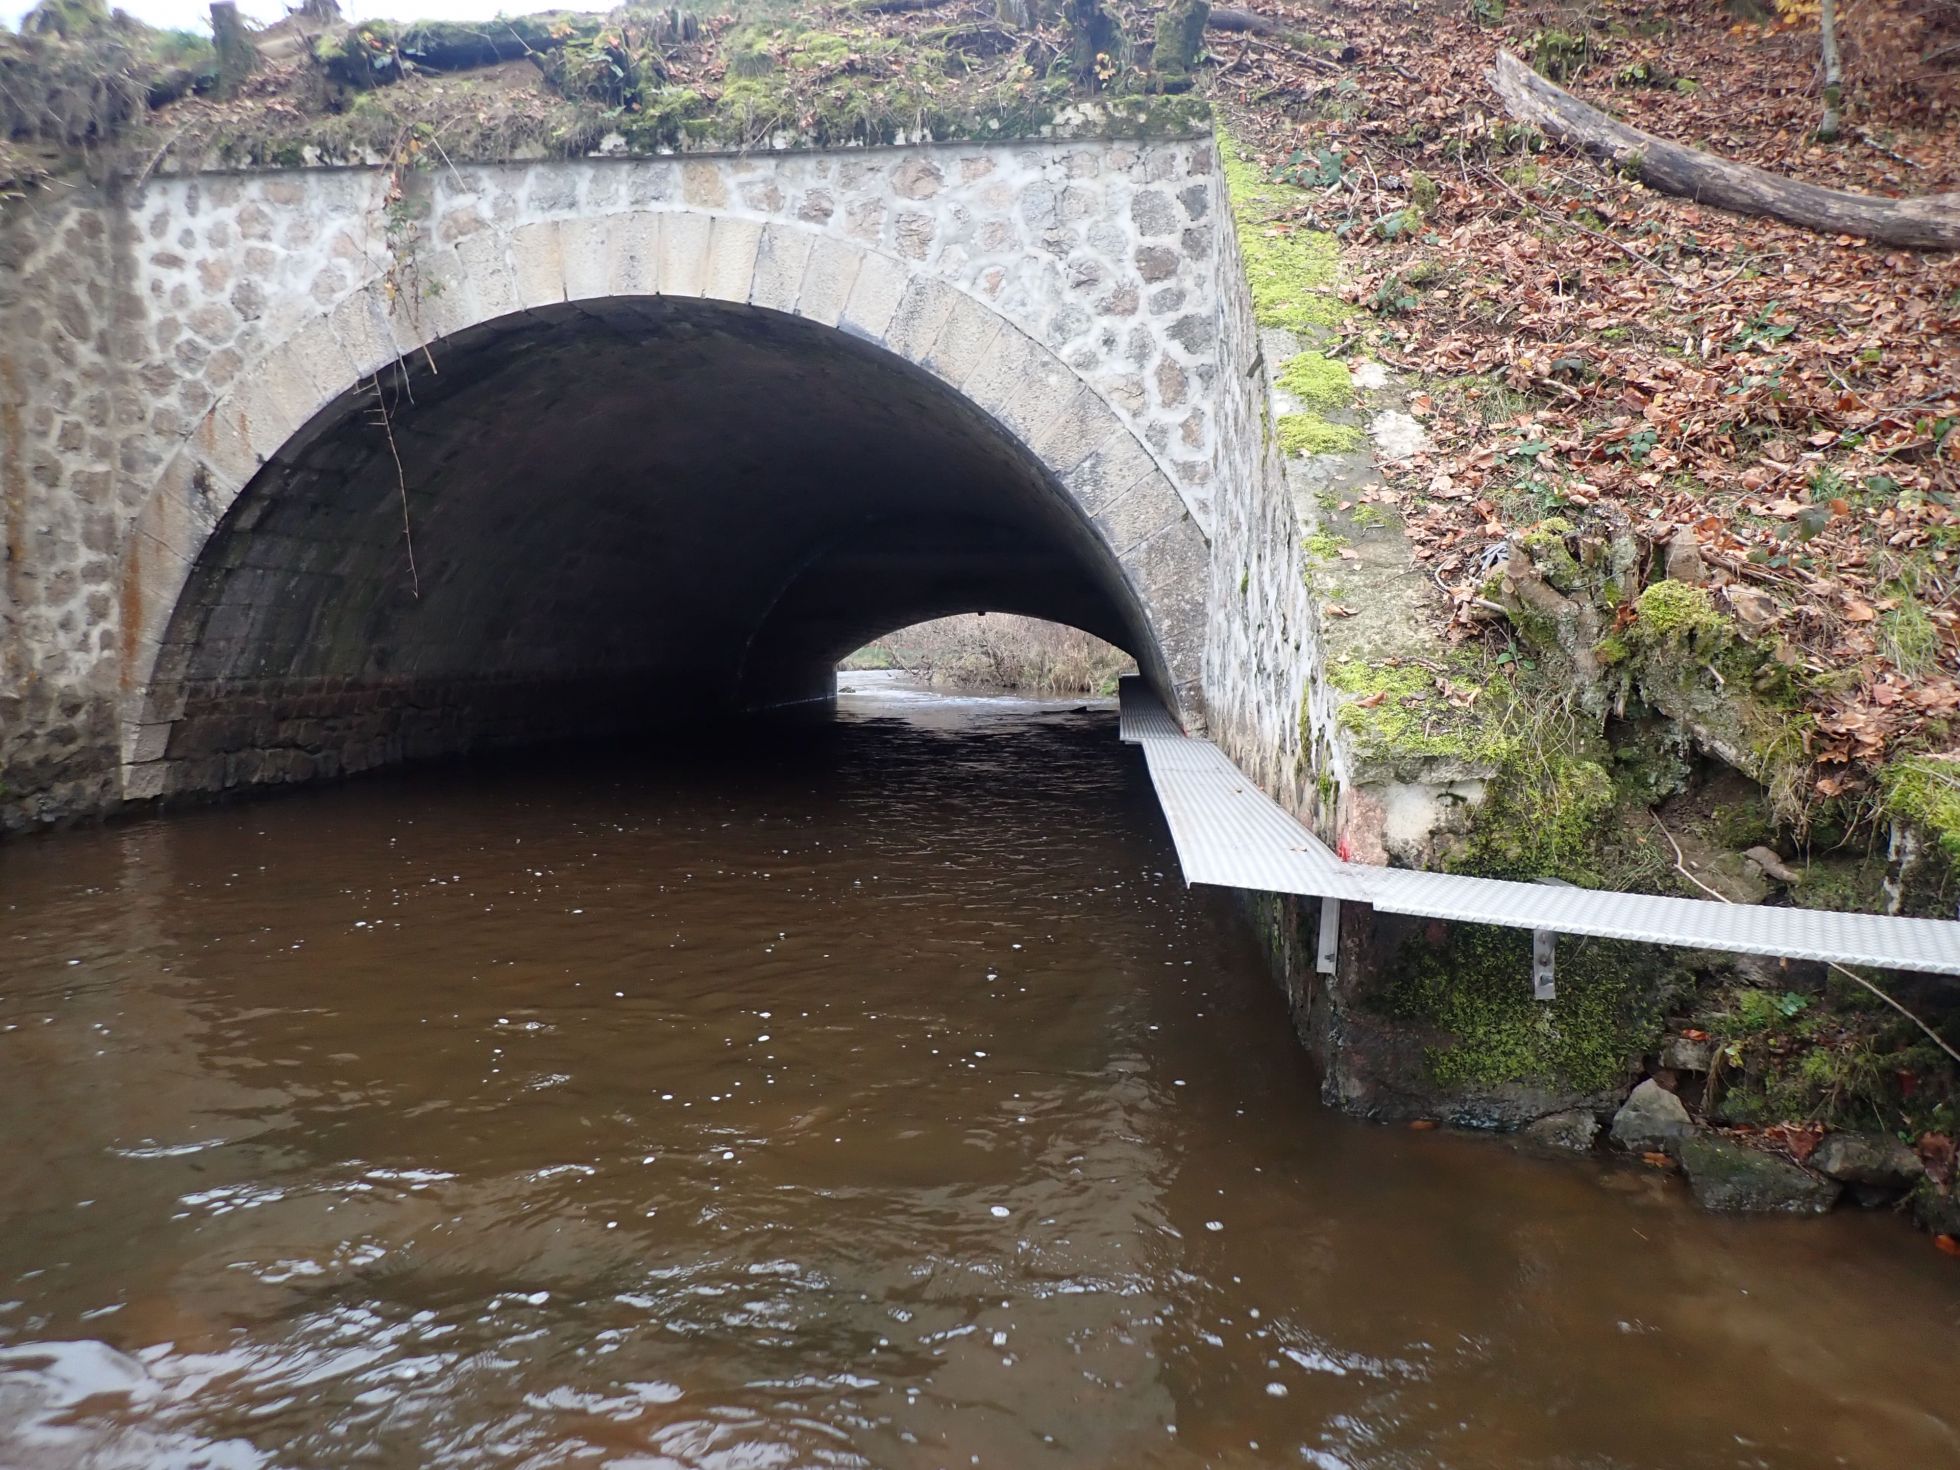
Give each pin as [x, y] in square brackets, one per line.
[1681, 614]
[1318, 381]
[1475, 986]
[1393, 712]
[1291, 270]
[1180, 41]
[1925, 791]
[1309, 433]
[1544, 815]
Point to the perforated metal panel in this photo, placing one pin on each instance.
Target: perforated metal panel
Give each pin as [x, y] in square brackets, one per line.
[1230, 833]
[1140, 716]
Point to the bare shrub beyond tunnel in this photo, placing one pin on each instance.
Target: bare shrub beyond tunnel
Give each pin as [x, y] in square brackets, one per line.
[1000, 651]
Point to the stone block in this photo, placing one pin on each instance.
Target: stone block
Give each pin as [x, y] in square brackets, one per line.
[438, 301]
[875, 295]
[1108, 470]
[1171, 573]
[733, 245]
[1083, 424]
[1730, 1176]
[1572, 1131]
[315, 355]
[587, 262]
[155, 583]
[1042, 394]
[923, 312]
[1146, 508]
[146, 781]
[144, 742]
[1876, 1159]
[1680, 1054]
[360, 330]
[964, 343]
[538, 264]
[275, 402]
[1652, 1120]
[827, 280]
[486, 266]
[684, 254]
[635, 262]
[224, 447]
[703, 185]
[1016, 357]
[782, 255]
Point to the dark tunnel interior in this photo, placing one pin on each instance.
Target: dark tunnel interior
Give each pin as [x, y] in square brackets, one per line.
[559, 522]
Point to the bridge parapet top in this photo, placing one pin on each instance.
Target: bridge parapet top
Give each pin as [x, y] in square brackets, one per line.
[287, 145]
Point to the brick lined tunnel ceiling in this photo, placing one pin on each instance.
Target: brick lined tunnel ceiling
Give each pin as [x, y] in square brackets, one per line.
[706, 495]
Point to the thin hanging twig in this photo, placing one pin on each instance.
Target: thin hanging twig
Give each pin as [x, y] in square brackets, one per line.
[401, 483]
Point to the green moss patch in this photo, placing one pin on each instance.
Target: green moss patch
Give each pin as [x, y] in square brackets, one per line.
[1839, 1057]
[1544, 816]
[1679, 614]
[1291, 270]
[1309, 433]
[1394, 711]
[1318, 381]
[1925, 791]
[1476, 986]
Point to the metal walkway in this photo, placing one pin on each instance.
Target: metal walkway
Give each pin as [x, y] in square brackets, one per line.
[1230, 833]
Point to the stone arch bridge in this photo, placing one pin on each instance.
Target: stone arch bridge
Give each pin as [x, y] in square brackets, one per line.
[312, 470]
[307, 471]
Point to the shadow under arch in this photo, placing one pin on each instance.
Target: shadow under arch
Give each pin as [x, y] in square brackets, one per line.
[590, 517]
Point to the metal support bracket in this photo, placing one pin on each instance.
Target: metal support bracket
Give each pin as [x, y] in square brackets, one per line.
[1330, 935]
[1544, 955]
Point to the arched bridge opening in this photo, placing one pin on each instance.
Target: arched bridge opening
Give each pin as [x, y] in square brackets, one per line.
[605, 516]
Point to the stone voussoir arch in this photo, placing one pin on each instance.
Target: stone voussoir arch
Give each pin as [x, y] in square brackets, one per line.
[311, 375]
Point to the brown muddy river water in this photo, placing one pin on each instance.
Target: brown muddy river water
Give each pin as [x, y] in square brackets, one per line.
[875, 1096]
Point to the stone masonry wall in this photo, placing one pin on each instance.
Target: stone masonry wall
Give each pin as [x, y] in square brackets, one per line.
[1263, 647]
[67, 480]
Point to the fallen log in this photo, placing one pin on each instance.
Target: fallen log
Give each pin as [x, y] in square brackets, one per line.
[1309, 49]
[1929, 222]
[1223, 19]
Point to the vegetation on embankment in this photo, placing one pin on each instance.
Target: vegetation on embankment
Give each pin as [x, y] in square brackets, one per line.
[999, 651]
[1699, 468]
[1692, 496]
[637, 80]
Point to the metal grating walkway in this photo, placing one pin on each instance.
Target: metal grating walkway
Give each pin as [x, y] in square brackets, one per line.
[1229, 832]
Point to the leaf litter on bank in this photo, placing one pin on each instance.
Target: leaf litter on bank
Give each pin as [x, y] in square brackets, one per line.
[1589, 347]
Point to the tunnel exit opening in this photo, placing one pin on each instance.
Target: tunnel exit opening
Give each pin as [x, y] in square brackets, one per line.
[1001, 653]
